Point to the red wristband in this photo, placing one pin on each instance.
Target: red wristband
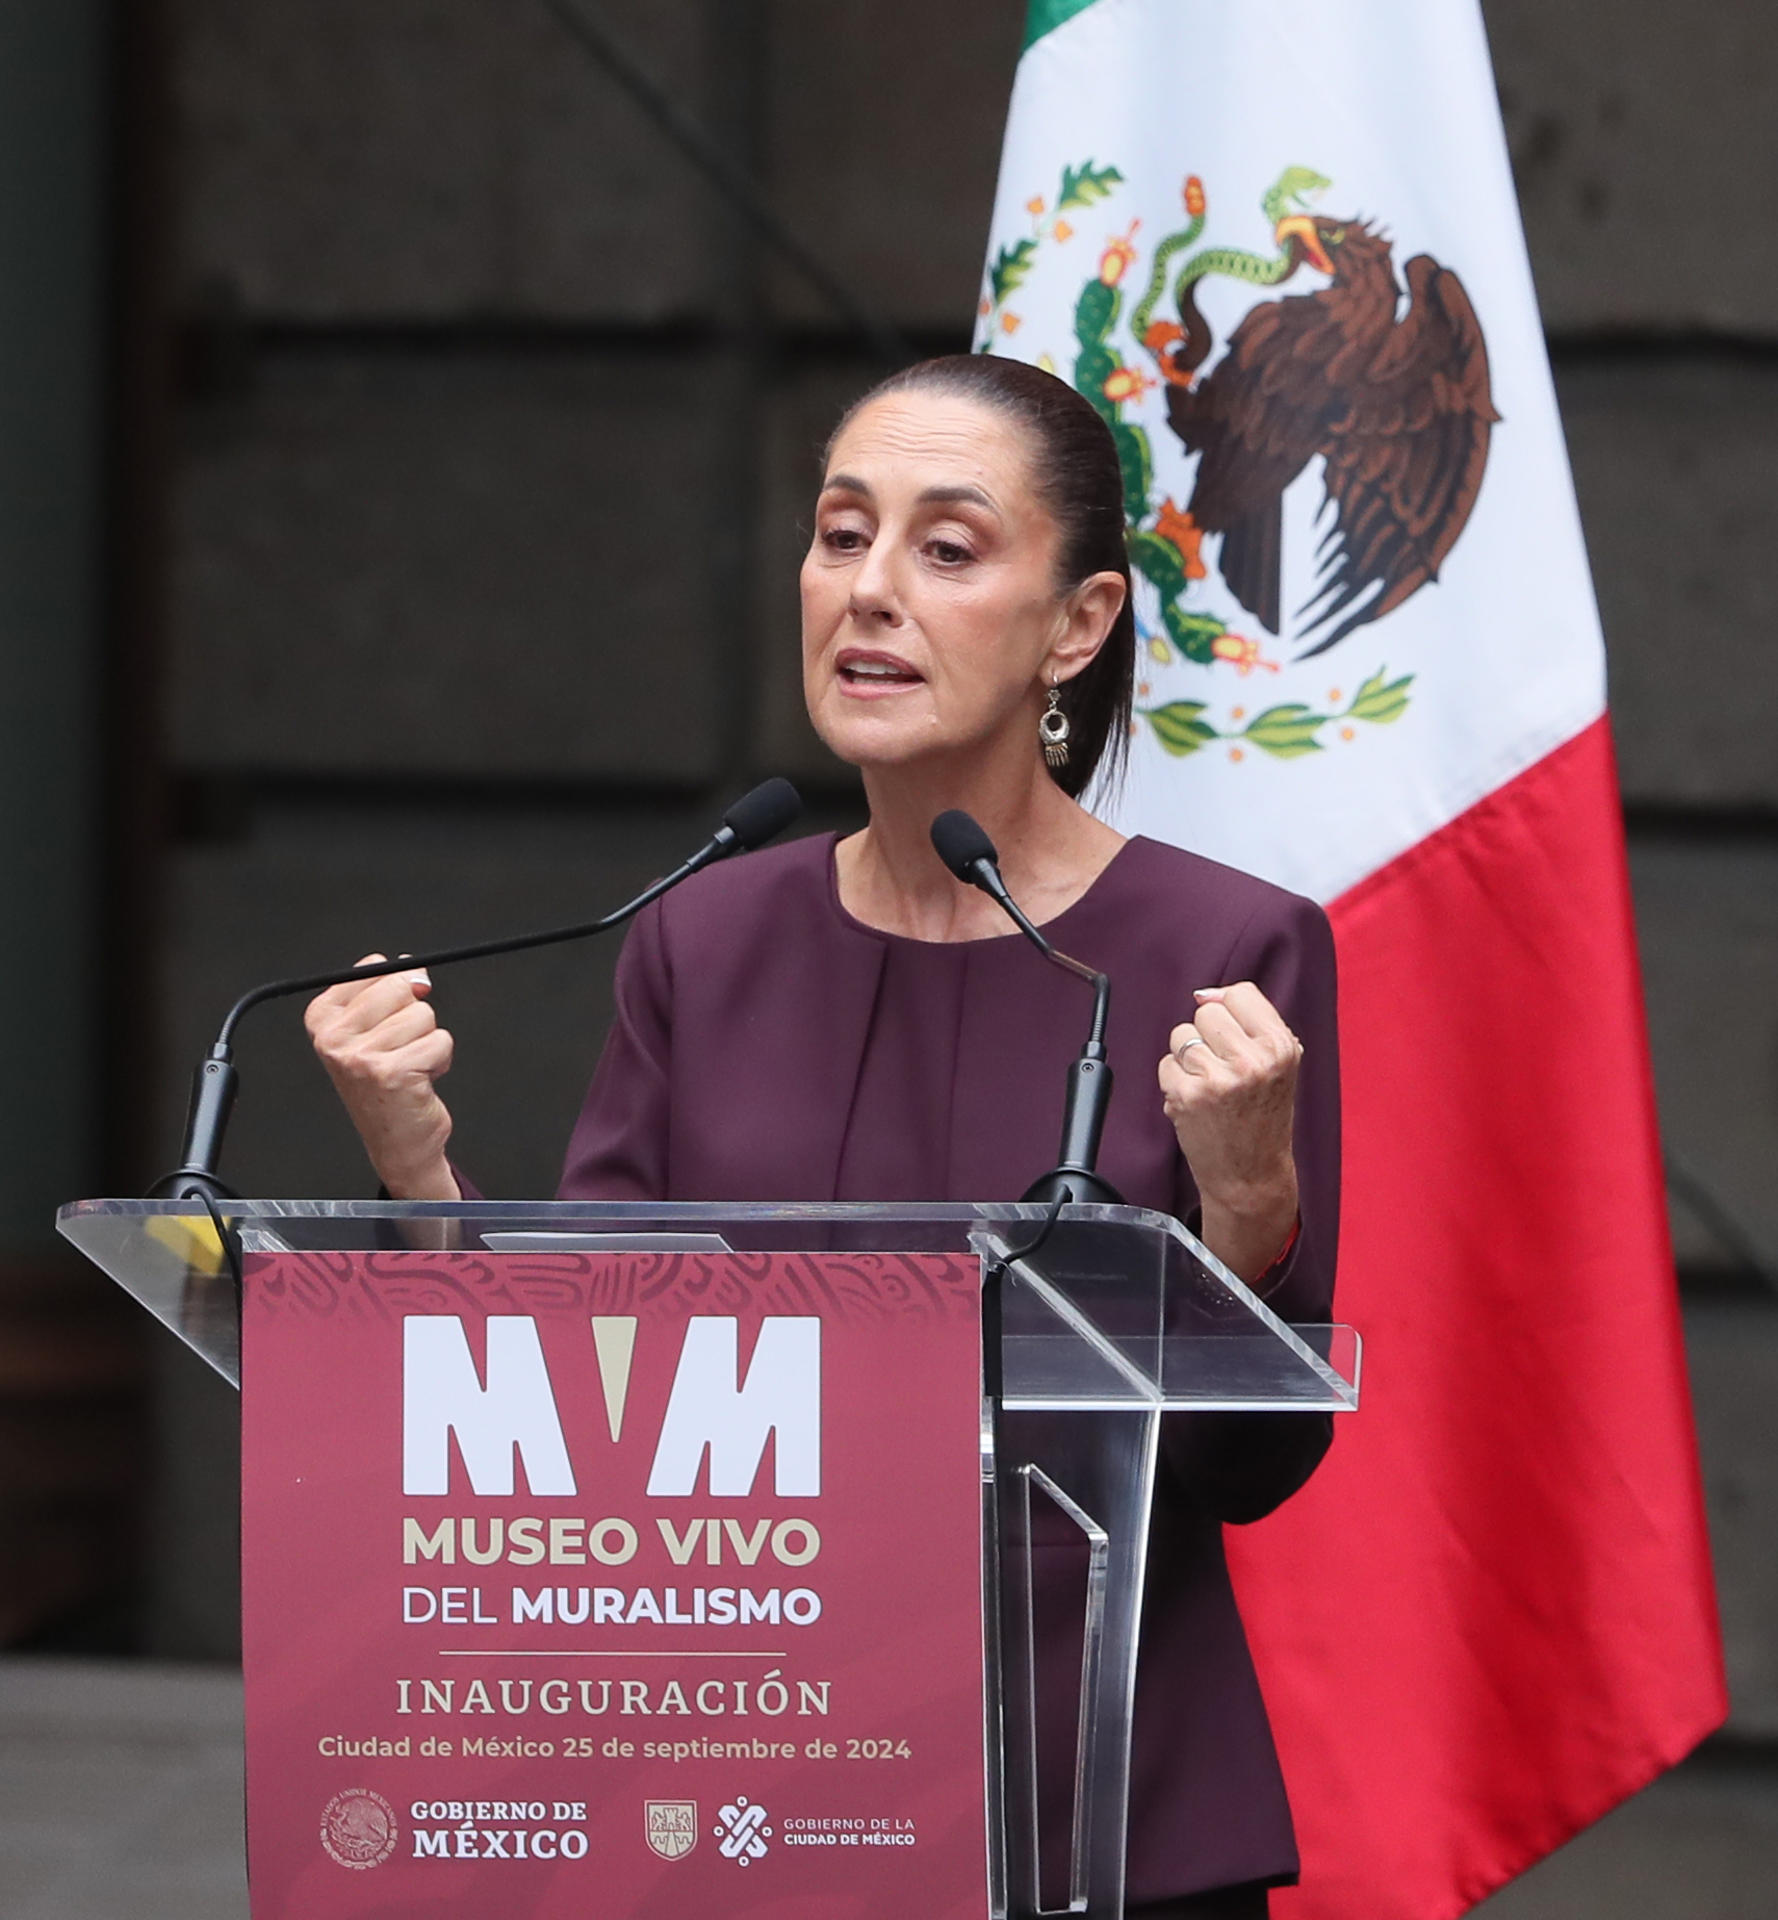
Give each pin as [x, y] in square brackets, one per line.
[1273, 1267]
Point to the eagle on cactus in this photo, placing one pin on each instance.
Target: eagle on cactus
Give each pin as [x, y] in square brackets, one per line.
[1397, 403]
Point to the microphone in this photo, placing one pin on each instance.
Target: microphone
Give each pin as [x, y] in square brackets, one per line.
[961, 844]
[754, 819]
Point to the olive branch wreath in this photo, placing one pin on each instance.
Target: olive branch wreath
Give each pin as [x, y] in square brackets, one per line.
[1286, 732]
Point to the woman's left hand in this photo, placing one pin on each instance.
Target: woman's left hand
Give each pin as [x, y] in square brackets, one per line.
[1229, 1087]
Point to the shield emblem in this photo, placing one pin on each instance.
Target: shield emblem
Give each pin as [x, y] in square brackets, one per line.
[671, 1827]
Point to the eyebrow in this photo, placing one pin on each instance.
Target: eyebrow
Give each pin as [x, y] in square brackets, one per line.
[963, 495]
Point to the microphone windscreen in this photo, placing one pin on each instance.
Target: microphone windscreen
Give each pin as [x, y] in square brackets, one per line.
[764, 813]
[960, 842]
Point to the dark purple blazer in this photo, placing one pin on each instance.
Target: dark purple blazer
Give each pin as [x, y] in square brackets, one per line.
[767, 1046]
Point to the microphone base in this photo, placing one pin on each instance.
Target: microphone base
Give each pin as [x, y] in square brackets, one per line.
[191, 1183]
[1074, 1187]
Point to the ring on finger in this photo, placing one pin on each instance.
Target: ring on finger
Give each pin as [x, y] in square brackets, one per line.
[1185, 1046]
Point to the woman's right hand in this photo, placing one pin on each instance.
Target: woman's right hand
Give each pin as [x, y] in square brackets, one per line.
[383, 1049]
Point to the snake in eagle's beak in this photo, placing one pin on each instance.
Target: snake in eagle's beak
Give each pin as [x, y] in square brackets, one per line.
[1301, 228]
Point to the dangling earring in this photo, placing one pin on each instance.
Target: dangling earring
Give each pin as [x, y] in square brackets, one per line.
[1052, 730]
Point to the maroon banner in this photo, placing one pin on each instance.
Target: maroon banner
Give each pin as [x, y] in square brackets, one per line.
[624, 1584]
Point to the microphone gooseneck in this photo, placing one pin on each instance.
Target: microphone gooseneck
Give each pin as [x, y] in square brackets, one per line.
[960, 842]
[754, 819]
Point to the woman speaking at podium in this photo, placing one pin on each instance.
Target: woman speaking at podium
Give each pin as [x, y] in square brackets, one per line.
[847, 1021]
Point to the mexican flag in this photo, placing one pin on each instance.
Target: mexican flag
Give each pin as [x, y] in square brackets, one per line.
[1276, 244]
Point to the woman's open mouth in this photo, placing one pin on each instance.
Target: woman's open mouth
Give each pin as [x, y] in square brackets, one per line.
[864, 672]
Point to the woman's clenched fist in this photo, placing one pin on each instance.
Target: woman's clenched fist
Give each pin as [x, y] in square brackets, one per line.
[1228, 1084]
[384, 1050]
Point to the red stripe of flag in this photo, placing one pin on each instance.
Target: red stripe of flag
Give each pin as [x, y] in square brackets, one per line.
[1490, 1617]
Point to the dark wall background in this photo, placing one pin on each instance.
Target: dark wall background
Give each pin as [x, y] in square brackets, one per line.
[446, 537]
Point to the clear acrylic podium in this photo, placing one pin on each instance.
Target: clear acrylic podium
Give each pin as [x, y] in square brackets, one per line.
[1115, 1318]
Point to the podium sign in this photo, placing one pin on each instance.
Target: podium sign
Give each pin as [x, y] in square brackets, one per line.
[621, 1583]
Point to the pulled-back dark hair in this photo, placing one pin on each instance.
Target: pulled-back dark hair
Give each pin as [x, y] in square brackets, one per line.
[1074, 468]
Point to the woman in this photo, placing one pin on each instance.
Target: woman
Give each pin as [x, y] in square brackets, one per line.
[847, 1021]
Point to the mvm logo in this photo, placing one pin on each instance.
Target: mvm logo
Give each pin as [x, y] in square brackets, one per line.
[711, 1409]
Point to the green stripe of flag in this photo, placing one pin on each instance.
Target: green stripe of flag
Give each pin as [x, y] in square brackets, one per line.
[1044, 16]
